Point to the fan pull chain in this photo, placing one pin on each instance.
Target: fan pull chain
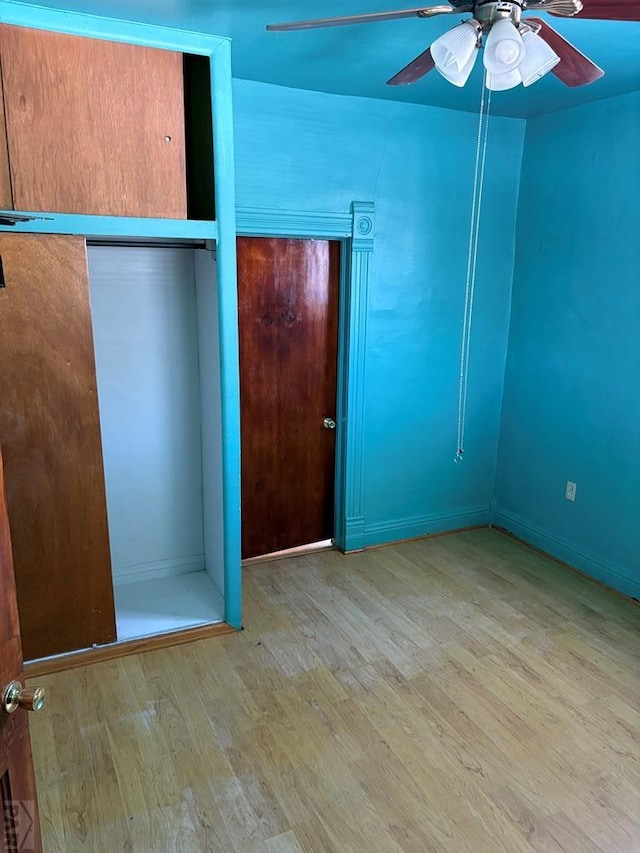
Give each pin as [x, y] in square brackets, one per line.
[472, 258]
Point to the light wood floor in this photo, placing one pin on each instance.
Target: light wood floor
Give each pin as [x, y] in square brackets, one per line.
[460, 693]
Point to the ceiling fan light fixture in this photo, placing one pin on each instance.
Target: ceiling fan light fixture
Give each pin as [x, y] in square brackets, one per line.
[455, 48]
[539, 58]
[459, 78]
[504, 49]
[502, 82]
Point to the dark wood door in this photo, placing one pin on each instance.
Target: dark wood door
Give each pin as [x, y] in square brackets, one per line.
[20, 829]
[93, 126]
[288, 313]
[50, 433]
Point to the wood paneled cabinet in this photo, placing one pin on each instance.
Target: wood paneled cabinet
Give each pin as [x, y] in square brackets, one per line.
[91, 126]
[94, 128]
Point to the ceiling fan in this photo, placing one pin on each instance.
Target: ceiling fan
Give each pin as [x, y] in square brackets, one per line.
[517, 49]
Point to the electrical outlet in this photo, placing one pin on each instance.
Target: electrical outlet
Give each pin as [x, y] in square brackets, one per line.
[570, 491]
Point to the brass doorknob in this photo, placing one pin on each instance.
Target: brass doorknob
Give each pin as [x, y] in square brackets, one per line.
[329, 423]
[16, 696]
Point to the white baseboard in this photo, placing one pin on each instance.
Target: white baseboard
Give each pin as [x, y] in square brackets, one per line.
[158, 569]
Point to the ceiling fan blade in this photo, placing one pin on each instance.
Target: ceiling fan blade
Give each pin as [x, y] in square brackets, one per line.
[425, 12]
[416, 69]
[609, 10]
[560, 8]
[574, 68]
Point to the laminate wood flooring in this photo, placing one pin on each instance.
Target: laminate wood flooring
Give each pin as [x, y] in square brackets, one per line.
[461, 694]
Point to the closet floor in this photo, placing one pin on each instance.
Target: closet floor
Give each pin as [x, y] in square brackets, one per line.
[158, 605]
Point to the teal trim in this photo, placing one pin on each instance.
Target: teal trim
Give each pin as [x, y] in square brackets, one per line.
[111, 226]
[590, 564]
[424, 525]
[354, 349]
[293, 223]
[219, 51]
[96, 26]
[355, 229]
[354, 532]
[223, 155]
[340, 521]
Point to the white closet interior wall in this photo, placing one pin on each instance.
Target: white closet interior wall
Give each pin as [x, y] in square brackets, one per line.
[156, 344]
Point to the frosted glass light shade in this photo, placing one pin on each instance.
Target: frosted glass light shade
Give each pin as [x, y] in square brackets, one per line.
[459, 78]
[504, 49]
[453, 50]
[501, 82]
[538, 59]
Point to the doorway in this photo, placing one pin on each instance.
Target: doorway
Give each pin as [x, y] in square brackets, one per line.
[288, 305]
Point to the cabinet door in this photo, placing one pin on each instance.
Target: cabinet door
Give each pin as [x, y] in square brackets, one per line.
[50, 436]
[93, 126]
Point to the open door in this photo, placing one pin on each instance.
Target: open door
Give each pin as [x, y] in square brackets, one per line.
[288, 295]
[20, 830]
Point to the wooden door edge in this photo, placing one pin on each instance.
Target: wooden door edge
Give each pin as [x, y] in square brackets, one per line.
[60, 663]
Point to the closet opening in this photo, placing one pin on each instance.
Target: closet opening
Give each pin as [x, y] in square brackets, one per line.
[155, 328]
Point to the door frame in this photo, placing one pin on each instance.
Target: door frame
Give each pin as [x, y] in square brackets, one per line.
[355, 232]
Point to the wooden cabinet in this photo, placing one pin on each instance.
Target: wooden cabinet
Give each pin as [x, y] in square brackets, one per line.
[50, 436]
[92, 126]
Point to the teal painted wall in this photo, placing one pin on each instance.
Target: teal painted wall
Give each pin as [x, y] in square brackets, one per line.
[572, 387]
[299, 150]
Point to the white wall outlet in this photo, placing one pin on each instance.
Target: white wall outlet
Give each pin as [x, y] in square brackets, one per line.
[570, 491]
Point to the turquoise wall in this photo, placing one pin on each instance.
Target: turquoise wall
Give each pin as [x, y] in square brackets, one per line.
[572, 386]
[298, 150]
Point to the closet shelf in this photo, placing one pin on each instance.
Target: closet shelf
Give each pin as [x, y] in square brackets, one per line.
[110, 226]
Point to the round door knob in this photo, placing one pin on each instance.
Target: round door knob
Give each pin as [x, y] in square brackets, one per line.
[16, 696]
[329, 423]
